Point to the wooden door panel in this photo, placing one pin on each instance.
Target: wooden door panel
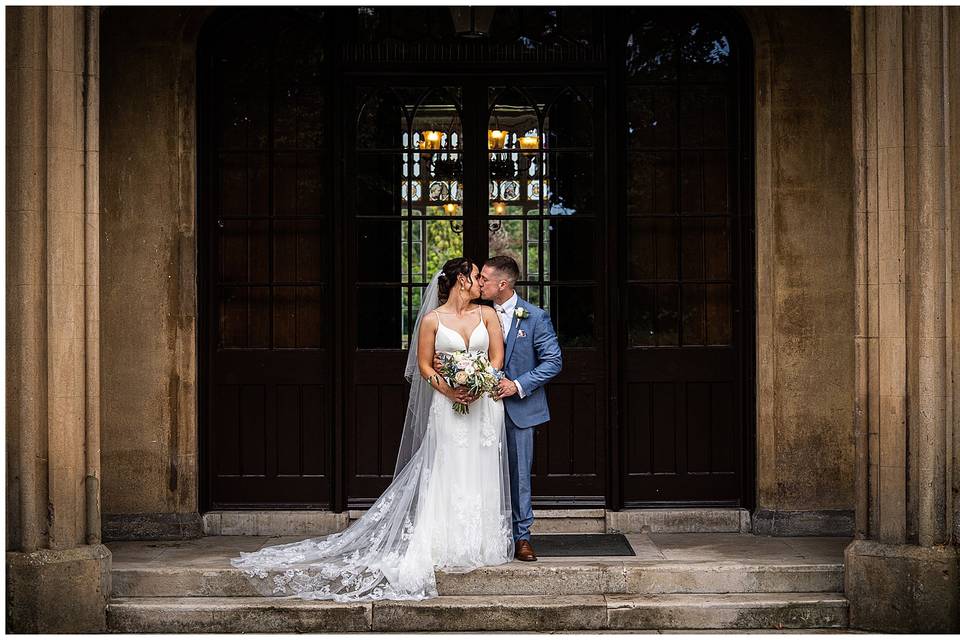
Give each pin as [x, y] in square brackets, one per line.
[569, 458]
[679, 441]
[265, 265]
[685, 262]
[379, 396]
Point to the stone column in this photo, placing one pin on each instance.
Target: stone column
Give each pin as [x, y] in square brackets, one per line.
[902, 570]
[58, 573]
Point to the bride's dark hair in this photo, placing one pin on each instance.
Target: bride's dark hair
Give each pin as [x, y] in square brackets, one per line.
[448, 276]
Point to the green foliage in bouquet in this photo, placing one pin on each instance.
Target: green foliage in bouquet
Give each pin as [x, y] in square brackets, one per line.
[471, 370]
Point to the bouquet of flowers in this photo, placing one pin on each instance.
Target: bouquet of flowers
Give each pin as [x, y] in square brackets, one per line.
[470, 369]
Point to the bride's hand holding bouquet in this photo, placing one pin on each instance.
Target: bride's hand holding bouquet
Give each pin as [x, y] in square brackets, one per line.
[469, 371]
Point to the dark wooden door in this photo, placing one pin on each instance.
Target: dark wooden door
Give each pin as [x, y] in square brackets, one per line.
[265, 264]
[451, 166]
[621, 185]
[685, 275]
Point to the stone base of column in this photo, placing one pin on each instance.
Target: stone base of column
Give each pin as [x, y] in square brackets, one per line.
[902, 588]
[62, 591]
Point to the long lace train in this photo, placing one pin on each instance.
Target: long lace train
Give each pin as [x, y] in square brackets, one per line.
[448, 505]
[449, 508]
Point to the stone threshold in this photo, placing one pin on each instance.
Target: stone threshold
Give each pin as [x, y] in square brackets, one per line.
[481, 613]
[312, 522]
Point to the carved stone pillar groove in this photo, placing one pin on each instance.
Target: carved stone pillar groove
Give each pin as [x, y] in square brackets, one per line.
[58, 573]
[902, 571]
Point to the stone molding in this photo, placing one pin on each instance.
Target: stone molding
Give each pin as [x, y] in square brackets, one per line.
[53, 326]
[902, 182]
[823, 522]
[152, 526]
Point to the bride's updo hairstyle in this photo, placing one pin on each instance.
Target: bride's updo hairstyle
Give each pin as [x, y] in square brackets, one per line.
[448, 276]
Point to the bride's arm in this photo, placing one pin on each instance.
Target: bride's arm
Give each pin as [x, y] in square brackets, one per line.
[496, 336]
[425, 352]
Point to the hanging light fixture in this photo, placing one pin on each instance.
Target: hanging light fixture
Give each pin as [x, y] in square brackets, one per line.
[496, 138]
[529, 142]
[430, 140]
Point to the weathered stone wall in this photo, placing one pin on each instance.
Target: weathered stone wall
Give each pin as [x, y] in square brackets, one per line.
[805, 270]
[804, 261]
[148, 253]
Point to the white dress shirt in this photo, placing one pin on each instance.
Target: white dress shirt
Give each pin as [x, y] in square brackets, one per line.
[505, 314]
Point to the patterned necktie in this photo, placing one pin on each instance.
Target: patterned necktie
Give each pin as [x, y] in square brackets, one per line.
[502, 315]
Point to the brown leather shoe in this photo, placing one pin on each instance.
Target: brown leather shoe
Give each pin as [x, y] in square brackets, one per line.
[524, 551]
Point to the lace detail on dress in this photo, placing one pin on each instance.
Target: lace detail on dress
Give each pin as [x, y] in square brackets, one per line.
[488, 435]
[449, 507]
[460, 436]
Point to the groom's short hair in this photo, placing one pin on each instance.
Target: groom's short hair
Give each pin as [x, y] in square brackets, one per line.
[506, 266]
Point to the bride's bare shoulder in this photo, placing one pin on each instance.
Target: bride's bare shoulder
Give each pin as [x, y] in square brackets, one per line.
[488, 313]
[429, 321]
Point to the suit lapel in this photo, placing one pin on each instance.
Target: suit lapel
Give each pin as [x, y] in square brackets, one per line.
[512, 331]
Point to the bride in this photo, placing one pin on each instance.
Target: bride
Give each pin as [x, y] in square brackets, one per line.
[448, 505]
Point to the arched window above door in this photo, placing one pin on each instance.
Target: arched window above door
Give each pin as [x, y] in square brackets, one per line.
[687, 46]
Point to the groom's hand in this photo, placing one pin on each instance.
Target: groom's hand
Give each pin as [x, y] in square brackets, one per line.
[507, 388]
[464, 396]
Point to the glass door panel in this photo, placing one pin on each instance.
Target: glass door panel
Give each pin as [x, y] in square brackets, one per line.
[543, 209]
[487, 170]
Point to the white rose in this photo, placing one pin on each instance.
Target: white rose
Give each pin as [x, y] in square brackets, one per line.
[470, 370]
[461, 377]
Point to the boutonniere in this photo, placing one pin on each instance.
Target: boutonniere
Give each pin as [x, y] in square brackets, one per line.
[520, 313]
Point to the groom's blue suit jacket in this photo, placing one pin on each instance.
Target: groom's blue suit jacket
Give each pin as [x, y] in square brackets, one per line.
[532, 360]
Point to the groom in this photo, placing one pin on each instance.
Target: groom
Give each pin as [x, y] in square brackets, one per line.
[531, 359]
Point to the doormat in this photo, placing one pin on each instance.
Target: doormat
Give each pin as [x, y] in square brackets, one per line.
[557, 545]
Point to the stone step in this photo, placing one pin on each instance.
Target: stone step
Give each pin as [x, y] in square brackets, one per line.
[727, 611]
[480, 613]
[592, 577]
[693, 520]
[314, 522]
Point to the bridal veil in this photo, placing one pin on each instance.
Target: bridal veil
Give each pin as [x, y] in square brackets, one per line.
[372, 558]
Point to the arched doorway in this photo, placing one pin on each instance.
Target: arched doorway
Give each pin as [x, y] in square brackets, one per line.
[345, 156]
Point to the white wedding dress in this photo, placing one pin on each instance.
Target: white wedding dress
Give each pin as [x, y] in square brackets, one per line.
[447, 507]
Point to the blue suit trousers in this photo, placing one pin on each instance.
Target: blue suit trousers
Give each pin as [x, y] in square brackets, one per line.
[520, 457]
